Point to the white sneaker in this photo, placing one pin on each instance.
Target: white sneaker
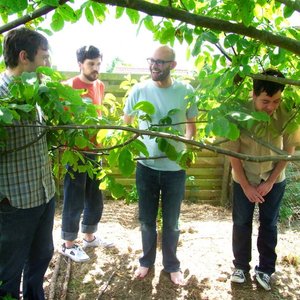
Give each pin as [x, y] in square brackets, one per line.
[97, 242]
[76, 253]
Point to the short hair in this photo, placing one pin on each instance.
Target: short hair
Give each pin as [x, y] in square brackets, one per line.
[88, 52]
[270, 87]
[21, 39]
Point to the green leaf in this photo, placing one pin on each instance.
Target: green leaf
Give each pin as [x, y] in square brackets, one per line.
[81, 141]
[210, 37]
[117, 190]
[173, 112]
[53, 3]
[15, 6]
[67, 13]
[119, 12]
[6, 116]
[57, 22]
[171, 152]
[288, 11]
[162, 144]
[140, 147]
[240, 116]
[66, 92]
[68, 157]
[230, 40]
[261, 116]
[233, 132]
[165, 121]
[112, 158]
[148, 22]
[23, 107]
[126, 163]
[188, 36]
[99, 10]
[167, 148]
[89, 15]
[222, 127]
[168, 35]
[54, 75]
[145, 106]
[133, 15]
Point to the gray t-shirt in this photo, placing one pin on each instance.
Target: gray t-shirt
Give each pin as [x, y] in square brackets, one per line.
[164, 100]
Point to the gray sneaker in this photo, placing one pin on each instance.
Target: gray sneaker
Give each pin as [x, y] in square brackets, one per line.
[238, 276]
[263, 279]
[97, 242]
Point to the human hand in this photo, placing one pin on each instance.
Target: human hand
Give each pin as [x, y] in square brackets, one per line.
[253, 195]
[264, 188]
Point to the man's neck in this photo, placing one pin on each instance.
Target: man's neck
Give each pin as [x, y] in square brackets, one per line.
[84, 79]
[17, 71]
[164, 83]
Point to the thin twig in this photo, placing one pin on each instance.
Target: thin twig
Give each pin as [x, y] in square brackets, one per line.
[54, 279]
[64, 291]
[106, 284]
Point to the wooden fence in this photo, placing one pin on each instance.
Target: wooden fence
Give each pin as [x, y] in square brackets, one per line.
[207, 179]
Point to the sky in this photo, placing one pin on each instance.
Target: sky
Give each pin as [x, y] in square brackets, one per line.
[115, 38]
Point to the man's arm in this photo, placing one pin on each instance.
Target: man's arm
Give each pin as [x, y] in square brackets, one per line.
[190, 128]
[250, 191]
[265, 187]
[128, 119]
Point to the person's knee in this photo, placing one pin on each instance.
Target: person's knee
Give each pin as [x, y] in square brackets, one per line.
[148, 226]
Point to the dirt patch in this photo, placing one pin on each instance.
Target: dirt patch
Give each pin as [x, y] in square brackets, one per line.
[204, 251]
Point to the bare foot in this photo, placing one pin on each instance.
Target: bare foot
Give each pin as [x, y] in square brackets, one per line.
[177, 278]
[141, 272]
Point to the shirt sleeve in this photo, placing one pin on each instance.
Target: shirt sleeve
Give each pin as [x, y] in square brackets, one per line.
[131, 101]
[292, 139]
[192, 110]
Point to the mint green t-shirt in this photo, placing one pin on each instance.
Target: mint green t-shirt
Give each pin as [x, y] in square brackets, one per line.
[164, 100]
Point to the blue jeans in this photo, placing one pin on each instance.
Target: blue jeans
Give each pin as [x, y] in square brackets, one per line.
[25, 245]
[242, 216]
[171, 186]
[81, 194]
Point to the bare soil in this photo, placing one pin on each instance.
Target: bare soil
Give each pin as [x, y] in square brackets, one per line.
[204, 252]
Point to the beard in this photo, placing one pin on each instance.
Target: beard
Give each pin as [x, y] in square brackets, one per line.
[91, 76]
[159, 75]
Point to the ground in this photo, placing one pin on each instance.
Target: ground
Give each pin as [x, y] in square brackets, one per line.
[204, 251]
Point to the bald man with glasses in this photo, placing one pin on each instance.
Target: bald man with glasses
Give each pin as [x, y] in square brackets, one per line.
[158, 177]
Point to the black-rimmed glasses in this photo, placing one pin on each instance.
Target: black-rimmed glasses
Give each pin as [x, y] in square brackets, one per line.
[158, 62]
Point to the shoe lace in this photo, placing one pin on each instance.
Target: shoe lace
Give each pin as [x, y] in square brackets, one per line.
[266, 277]
[238, 273]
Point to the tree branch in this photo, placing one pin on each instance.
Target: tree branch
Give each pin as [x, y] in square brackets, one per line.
[275, 79]
[200, 144]
[292, 4]
[29, 17]
[207, 22]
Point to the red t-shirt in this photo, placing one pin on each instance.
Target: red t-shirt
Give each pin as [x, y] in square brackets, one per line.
[94, 90]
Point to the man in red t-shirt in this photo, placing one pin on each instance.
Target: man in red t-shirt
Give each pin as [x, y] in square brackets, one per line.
[82, 193]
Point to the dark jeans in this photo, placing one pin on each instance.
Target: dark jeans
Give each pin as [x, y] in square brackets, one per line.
[267, 233]
[171, 186]
[25, 245]
[81, 194]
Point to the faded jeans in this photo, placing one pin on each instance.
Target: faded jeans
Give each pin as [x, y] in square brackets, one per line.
[170, 185]
[81, 194]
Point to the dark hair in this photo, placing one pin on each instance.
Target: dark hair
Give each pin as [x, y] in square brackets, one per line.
[21, 39]
[87, 52]
[270, 87]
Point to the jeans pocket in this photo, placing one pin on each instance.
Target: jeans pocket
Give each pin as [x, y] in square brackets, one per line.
[5, 207]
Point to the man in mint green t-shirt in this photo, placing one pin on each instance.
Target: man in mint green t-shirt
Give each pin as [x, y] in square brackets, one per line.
[158, 176]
